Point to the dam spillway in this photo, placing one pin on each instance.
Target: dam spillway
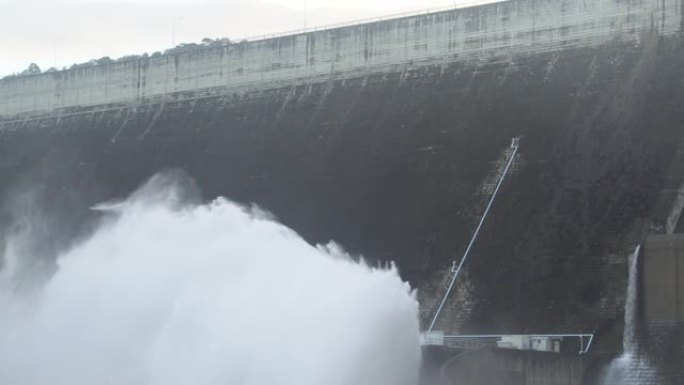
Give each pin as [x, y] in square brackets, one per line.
[388, 138]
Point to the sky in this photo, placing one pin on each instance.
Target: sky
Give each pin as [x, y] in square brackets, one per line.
[58, 33]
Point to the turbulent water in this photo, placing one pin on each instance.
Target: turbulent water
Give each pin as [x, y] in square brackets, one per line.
[169, 293]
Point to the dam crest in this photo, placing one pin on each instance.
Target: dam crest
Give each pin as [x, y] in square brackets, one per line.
[490, 33]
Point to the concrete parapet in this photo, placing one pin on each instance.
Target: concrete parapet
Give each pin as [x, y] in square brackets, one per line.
[489, 33]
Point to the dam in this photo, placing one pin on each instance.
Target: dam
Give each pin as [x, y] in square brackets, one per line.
[390, 137]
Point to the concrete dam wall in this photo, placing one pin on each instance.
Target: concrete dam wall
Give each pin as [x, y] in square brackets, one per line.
[492, 33]
[388, 138]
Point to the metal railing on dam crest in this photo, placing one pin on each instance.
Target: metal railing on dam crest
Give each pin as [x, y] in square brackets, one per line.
[489, 33]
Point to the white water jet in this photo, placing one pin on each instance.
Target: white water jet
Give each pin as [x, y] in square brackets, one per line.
[164, 294]
[629, 339]
[632, 367]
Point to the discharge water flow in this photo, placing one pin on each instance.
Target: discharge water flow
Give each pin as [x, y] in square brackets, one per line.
[633, 366]
[167, 293]
[629, 339]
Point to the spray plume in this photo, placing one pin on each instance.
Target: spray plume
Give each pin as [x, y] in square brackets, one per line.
[166, 293]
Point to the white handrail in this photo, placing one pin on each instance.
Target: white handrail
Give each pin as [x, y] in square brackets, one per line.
[352, 23]
[514, 146]
[582, 336]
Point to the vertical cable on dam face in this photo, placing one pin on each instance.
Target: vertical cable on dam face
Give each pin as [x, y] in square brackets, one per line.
[514, 150]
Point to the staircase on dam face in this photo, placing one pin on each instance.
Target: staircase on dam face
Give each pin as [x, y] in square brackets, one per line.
[456, 312]
[450, 314]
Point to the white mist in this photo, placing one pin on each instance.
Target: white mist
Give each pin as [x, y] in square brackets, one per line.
[164, 293]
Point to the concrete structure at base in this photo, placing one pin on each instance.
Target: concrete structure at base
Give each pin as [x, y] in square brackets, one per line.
[494, 32]
[511, 367]
[662, 286]
[663, 278]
